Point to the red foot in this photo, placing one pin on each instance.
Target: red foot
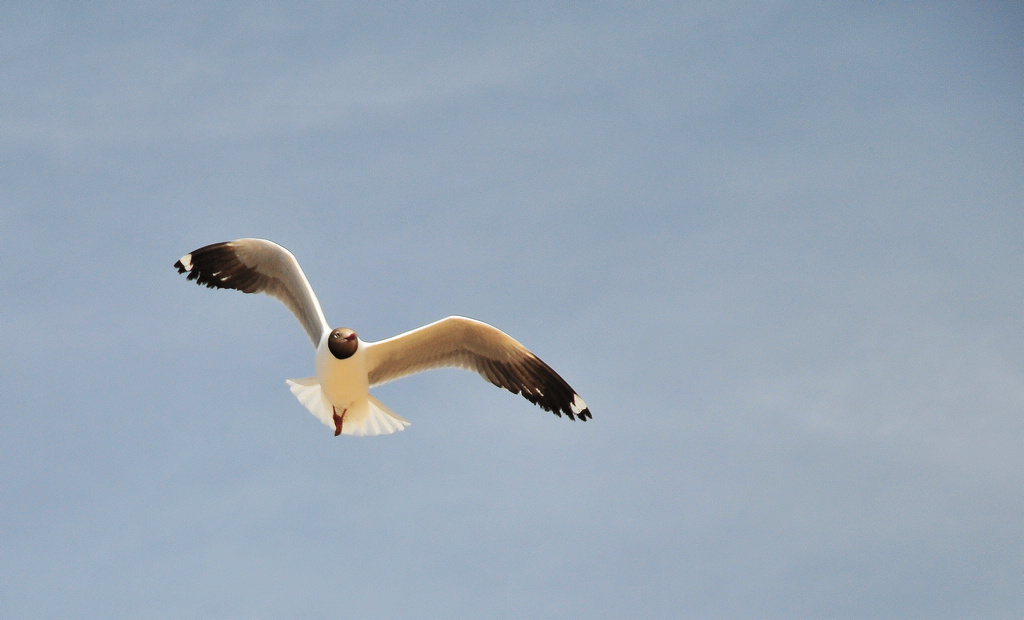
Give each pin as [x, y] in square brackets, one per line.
[338, 420]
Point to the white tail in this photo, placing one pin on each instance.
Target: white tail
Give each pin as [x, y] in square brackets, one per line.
[366, 418]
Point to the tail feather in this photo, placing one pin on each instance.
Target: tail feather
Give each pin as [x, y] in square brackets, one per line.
[388, 421]
[308, 392]
[367, 418]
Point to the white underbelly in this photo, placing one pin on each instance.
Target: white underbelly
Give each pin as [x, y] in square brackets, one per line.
[343, 382]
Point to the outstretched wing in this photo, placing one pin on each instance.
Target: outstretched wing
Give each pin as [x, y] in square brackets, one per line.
[464, 343]
[258, 266]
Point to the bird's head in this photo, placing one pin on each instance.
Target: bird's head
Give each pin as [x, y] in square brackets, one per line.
[343, 343]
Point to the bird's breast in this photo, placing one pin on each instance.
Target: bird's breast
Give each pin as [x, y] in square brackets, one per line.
[343, 381]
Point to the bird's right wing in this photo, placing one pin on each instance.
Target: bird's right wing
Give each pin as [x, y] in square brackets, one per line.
[465, 343]
[258, 266]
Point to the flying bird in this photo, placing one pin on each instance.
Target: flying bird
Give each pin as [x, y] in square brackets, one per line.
[347, 367]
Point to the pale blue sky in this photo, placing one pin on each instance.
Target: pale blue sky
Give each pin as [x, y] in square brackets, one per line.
[777, 247]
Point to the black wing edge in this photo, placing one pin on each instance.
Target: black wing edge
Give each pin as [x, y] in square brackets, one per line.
[538, 383]
[217, 266]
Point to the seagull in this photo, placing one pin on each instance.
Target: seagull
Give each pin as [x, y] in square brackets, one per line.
[347, 367]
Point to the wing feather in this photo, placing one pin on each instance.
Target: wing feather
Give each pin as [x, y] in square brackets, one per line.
[258, 266]
[465, 343]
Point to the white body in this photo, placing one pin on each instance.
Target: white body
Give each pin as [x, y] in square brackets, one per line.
[344, 382]
[342, 387]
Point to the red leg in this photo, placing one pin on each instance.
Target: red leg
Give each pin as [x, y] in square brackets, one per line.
[338, 420]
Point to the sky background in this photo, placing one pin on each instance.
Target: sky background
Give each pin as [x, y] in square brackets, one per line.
[777, 247]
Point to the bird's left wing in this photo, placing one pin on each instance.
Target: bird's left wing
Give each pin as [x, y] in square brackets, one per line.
[465, 343]
[258, 266]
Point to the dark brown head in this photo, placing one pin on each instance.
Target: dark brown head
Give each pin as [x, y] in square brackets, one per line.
[343, 343]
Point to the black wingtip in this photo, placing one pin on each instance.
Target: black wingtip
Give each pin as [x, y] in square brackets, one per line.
[579, 408]
[582, 416]
[574, 409]
[217, 266]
